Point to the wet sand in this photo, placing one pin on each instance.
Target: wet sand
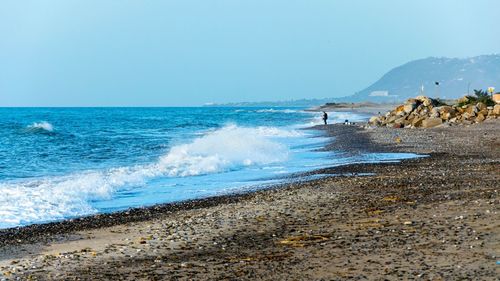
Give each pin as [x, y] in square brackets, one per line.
[430, 218]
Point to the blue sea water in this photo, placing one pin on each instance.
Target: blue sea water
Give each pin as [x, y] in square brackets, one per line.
[59, 163]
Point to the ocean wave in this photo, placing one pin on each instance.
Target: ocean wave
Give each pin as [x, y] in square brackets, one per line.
[272, 110]
[277, 132]
[53, 198]
[225, 149]
[42, 126]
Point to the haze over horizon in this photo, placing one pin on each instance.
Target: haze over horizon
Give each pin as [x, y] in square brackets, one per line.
[183, 53]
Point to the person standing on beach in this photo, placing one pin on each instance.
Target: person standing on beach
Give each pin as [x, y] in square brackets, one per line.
[325, 117]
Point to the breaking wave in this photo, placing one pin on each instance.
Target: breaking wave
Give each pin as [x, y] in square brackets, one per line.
[271, 110]
[41, 126]
[59, 197]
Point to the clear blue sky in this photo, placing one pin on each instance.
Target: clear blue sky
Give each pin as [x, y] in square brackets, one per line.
[174, 53]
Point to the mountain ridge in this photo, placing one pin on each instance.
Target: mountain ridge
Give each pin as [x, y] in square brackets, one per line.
[456, 77]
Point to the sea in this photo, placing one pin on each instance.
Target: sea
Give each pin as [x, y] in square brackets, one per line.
[62, 163]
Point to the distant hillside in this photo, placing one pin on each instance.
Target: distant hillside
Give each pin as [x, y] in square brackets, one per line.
[289, 103]
[454, 77]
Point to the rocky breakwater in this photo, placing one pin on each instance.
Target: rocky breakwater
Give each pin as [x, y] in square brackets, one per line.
[425, 112]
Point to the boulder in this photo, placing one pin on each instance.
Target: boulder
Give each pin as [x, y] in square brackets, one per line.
[480, 117]
[446, 112]
[435, 112]
[496, 110]
[463, 99]
[496, 98]
[471, 109]
[375, 120]
[399, 109]
[426, 101]
[431, 122]
[401, 120]
[417, 121]
[397, 125]
[481, 106]
[409, 107]
[391, 119]
[467, 116]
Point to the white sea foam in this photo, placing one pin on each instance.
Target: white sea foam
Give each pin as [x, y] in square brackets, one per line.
[44, 126]
[272, 110]
[54, 198]
[225, 149]
[277, 132]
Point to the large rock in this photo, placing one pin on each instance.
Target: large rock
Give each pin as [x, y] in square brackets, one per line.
[399, 109]
[446, 112]
[467, 116]
[435, 112]
[480, 117]
[431, 122]
[417, 121]
[481, 106]
[496, 98]
[391, 119]
[375, 120]
[409, 107]
[463, 100]
[426, 101]
[401, 121]
[496, 110]
[471, 109]
[397, 125]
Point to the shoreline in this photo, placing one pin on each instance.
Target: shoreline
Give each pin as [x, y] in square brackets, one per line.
[35, 231]
[137, 214]
[279, 240]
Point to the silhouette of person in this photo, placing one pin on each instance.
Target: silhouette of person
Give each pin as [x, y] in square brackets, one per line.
[325, 117]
